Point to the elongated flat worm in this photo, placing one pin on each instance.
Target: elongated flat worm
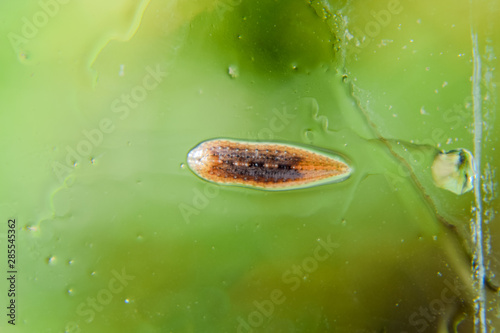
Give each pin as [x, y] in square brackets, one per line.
[265, 165]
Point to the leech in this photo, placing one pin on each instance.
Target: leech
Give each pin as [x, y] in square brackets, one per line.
[265, 165]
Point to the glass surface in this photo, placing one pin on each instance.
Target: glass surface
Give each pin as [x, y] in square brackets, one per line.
[101, 102]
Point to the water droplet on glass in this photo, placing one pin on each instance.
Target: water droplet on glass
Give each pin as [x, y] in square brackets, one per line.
[233, 71]
[23, 56]
[31, 228]
[122, 70]
[51, 260]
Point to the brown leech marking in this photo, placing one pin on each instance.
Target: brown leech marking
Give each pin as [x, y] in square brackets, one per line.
[269, 166]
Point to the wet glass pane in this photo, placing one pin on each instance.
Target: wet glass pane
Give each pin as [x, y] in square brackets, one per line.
[249, 166]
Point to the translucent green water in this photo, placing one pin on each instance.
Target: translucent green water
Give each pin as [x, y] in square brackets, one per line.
[101, 105]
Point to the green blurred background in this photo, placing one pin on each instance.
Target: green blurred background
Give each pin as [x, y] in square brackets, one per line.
[100, 103]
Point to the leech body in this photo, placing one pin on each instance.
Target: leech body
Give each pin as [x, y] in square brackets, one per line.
[264, 165]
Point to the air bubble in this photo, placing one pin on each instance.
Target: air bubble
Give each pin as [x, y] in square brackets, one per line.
[454, 170]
